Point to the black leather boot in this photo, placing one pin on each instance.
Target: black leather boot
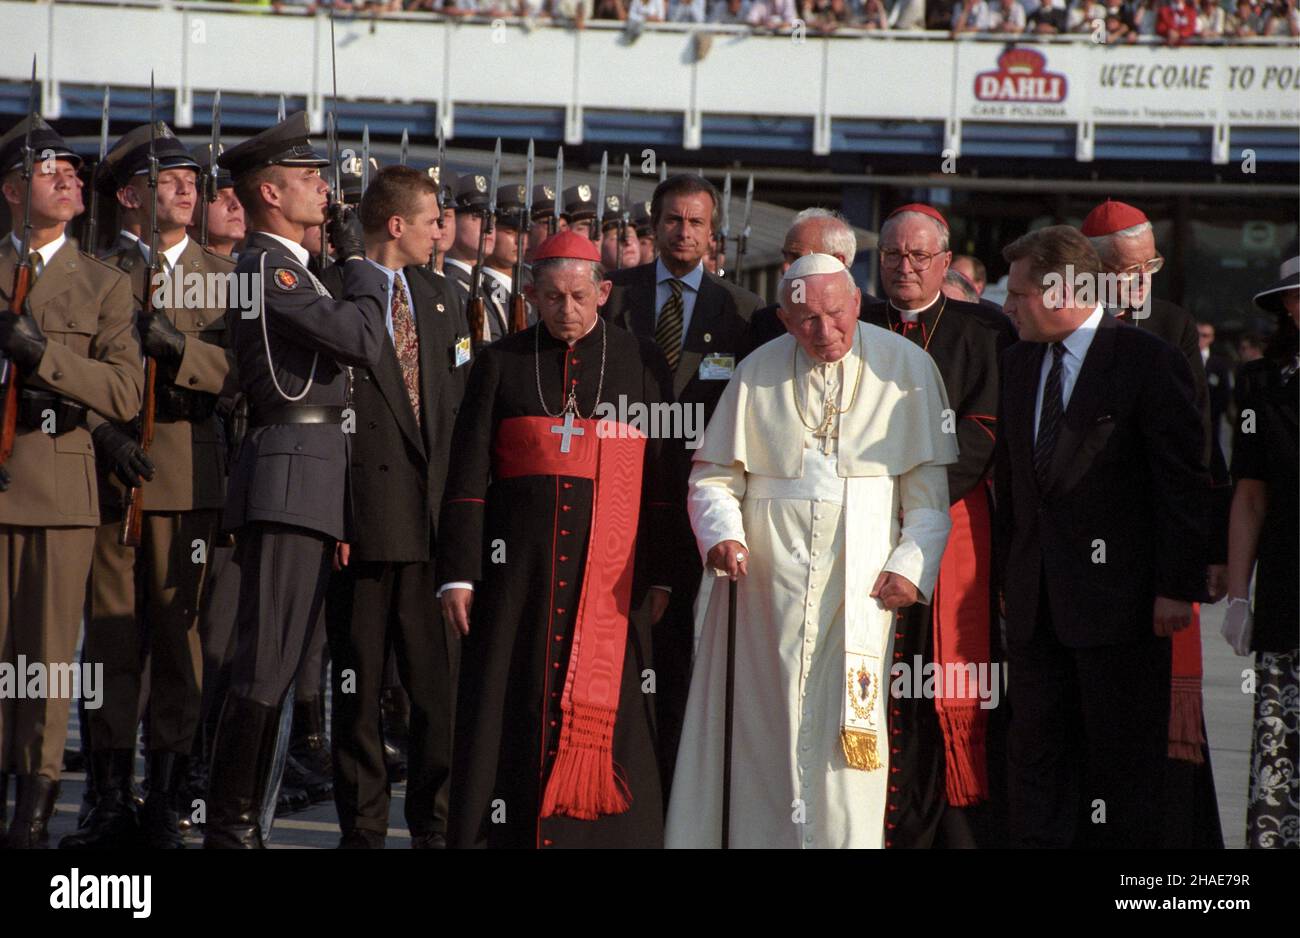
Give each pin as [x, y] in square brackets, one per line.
[309, 766]
[159, 820]
[112, 822]
[241, 761]
[33, 802]
[194, 785]
[394, 719]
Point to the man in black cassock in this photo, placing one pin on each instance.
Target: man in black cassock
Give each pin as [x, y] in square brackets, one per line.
[554, 739]
[947, 796]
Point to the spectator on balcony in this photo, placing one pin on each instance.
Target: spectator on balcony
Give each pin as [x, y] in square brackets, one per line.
[1211, 19]
[826, 16]
[1176, 22]
[1282, 20]
[906, 14]
[970, 17]
[1051, 18]
[576, 12]
[1006, 17]
[1244, 23]
[646, 11]
[687, 11]
[772, 14]
[730, 12]
[874, 15]
[938, 14]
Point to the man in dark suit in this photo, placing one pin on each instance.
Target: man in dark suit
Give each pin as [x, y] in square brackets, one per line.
[813, 231]
[1100, 535]
[287, 498]
[382, 594]
[701, 323]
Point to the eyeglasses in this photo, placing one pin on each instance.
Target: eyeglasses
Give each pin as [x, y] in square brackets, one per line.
[919, 260]
[1146, 267]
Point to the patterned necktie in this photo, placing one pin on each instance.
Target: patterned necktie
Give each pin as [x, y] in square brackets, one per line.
[668, 331]
[407, 343]
[1049, 420]
[38, 265]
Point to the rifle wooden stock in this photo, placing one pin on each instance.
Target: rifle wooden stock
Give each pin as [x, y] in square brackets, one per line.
[133, 515]
[9, 416]
[477, 315]
[518, 313]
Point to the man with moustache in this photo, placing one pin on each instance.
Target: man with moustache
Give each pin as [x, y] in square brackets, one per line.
[947, 795]
[380, 593]
[144, 602]
[287, 500]
[701, 324]
[76, 354]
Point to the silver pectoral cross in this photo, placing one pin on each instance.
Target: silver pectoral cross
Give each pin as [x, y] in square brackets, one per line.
[568, 431]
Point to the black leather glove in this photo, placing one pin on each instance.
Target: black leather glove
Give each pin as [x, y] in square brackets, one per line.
[117, 451]
[345, 232]
[22, 339]
[160, 339]
[4, 479]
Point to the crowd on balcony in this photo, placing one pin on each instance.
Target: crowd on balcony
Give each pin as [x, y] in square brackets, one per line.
[1173, 21]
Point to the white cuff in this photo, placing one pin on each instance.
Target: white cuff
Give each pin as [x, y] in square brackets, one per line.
[455, 585]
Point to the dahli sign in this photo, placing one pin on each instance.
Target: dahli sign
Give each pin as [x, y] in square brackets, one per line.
[1021, 77]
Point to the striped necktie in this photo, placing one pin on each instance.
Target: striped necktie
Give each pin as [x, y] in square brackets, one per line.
[1049, 420]
[668, 331]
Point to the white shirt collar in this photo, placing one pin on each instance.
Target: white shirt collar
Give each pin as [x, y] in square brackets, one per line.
[912, 315]
[1077, 342]
[297, 250]
[173, 253]
[692, 279]
[506, 280]
[47, 251]
[459, 263]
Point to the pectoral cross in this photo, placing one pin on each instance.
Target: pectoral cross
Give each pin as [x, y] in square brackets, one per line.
[828, 430]
[568, 431]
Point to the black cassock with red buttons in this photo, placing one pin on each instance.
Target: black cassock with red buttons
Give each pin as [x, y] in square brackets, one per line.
[522, 541]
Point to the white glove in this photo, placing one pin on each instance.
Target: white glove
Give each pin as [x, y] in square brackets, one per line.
[1238, 625]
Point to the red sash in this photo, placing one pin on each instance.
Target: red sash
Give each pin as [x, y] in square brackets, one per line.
[584, 782]
[1186, 727]
[961, 635]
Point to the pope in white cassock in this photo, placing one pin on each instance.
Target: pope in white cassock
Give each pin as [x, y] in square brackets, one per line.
[820, 486]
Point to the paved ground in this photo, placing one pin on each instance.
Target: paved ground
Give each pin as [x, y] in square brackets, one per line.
[1227, 717]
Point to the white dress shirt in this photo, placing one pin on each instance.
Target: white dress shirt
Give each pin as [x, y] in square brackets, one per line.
[300, 253]
[1076, 344]
[172, 254]
[46, 251]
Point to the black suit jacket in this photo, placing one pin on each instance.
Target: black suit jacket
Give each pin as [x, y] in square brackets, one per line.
[399, 465]
[720, 325]
[1126, 478]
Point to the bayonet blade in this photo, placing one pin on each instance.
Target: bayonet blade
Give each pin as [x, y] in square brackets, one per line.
[726, 208]
[406, 147]
[280, 112]
[749, 206]
[528, 189]
[559, 184]
[663, 170]
[626, 212]
[496, 181]
[29, 171]
[600, 196]
[365, 157]
[103, 127]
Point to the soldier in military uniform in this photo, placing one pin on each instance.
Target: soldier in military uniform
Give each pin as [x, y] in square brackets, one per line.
[76, 352]
[225, 215]
[183, 495]
[580, 208]
[614, 256]
[645, 234]
[287, 500]
[500, 263]
[446, 181]
[543, 214]
[471, 201]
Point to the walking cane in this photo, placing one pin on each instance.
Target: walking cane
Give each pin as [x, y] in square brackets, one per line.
[727, 714]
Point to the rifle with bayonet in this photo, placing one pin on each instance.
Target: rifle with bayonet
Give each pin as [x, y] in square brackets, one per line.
[208, 182]
[405, 151]
[625, 209]
[92, 217]
[477, 309]
[442, 187]
[22, 280]
[742, 240]
[365, 160]
[518, 306]
[600, 198]
[133, 515]
[331, 131]
[554, 224]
